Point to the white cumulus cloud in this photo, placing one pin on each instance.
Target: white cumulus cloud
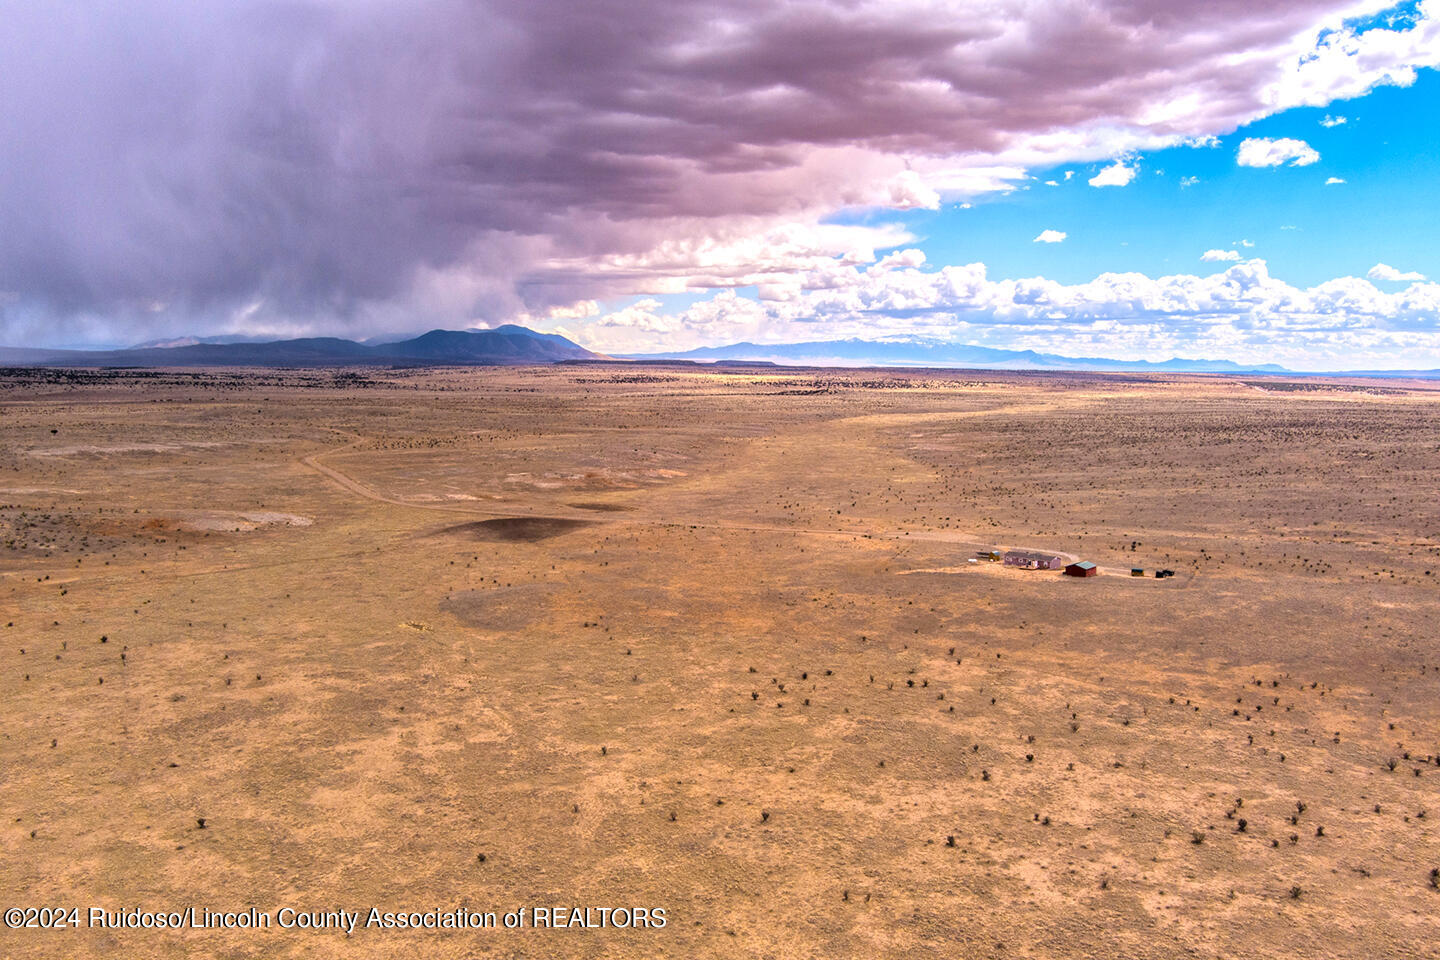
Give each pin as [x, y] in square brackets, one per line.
[1265, 152]
[1219, 256]
[1330, 121]
[1050, 236]
[1115, 175]
[1331, 181]
[1345, 62]
[906, 191]
[1242, 313]
[1383, 271]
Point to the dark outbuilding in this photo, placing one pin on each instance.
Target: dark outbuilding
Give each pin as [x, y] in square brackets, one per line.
[1082, 569]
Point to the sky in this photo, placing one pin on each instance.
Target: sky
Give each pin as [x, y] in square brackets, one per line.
[1135, 179]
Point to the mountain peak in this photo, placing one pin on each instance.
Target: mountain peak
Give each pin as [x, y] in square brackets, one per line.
[511, 345]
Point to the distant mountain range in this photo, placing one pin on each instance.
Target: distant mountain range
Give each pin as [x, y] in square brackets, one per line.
[508, 344]
[938, 353]
[515, 345]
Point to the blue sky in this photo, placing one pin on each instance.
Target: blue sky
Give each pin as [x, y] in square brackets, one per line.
[1387, 151]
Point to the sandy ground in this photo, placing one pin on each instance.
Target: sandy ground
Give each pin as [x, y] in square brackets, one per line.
[711, 643]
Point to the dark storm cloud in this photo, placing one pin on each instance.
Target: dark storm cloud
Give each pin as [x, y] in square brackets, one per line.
[166, 161]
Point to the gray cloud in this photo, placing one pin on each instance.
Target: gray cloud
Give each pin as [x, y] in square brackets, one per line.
[351, 165]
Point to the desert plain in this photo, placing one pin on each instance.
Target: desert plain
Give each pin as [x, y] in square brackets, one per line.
[712, 642]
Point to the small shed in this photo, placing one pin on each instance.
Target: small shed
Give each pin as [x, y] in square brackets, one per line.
[991, 555]
[1137, 571]
[1082, 569]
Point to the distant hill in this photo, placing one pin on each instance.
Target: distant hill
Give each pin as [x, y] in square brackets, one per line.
[938, 353]
[509, 344]
[504, 344]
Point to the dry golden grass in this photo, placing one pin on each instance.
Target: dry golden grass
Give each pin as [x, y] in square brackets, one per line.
[710, 642]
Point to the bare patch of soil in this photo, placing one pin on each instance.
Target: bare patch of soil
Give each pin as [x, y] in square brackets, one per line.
[499, 608]
[518, 529]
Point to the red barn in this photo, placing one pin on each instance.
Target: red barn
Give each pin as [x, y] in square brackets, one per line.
[1082, 569]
